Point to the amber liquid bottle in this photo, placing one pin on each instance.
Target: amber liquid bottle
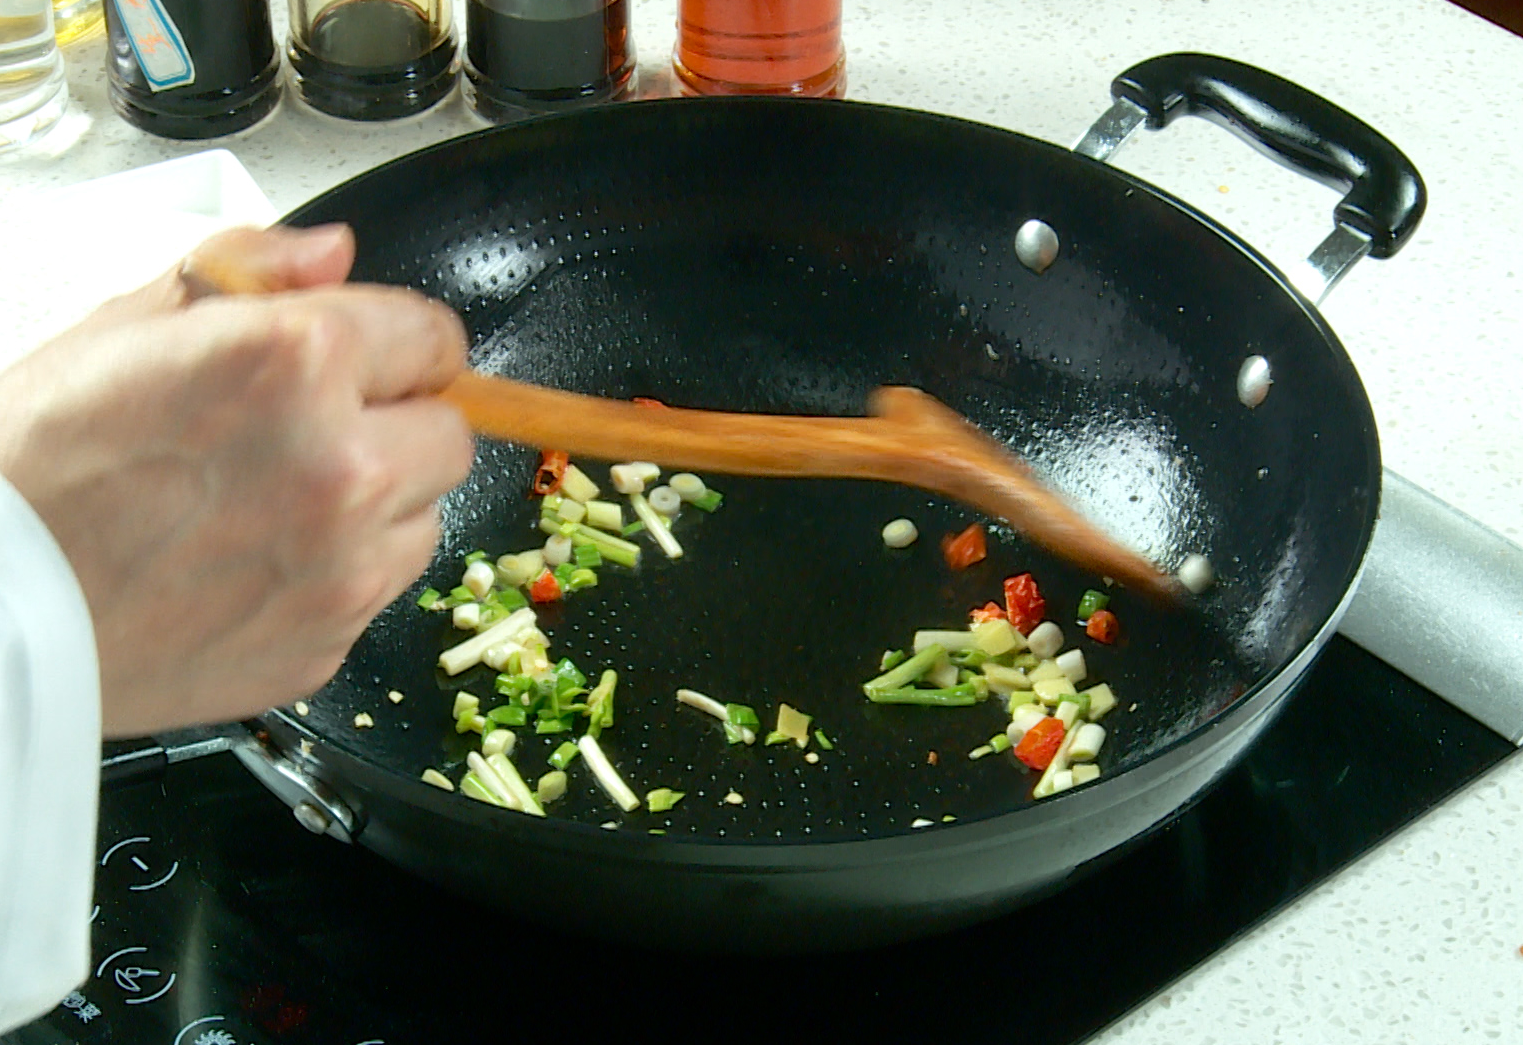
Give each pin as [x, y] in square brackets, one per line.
[787, 47]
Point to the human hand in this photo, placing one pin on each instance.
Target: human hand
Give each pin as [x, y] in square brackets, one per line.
[240, 483]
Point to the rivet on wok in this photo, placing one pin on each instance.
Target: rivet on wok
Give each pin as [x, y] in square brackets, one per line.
[1253, 381]
[1036, 245]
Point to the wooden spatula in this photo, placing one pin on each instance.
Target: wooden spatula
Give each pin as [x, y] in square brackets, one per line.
[911, 438]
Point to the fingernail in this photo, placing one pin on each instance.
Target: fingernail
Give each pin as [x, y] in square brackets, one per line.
[320, 241]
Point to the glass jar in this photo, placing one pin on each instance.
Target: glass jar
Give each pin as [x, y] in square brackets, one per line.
[543, 55]
[372, 59]
[788, 47]
[191, 68]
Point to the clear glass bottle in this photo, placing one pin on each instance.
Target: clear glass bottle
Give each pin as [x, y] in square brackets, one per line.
[373, 59]
[191, 68]
[33, 91]
[542, 55]
[788, 47]
[76, 19]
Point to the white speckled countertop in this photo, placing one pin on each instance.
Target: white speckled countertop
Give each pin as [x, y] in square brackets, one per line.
[1418, 941]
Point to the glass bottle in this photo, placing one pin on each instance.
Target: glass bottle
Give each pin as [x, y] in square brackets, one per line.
[373, 59]
[33, 92]
[76, 19]
[191, 68]
[788, 47]
[541, 55]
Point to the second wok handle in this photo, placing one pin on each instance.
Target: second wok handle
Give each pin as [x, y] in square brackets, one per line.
[1384, 196]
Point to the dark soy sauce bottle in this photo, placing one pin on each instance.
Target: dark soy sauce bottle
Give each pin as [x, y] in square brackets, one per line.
[372, 59]
[191, 68]
[545, 55]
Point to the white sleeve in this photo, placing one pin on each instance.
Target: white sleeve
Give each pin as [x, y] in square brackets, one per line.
[49, 767]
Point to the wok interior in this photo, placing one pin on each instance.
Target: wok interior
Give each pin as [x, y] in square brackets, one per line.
[790, 258]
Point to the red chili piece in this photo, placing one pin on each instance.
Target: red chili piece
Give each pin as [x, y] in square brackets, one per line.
[545, 588]
[987, 612]
[551, 472]
[1024, 604]
[1103, 626]
[1040, 743]
[966, 548]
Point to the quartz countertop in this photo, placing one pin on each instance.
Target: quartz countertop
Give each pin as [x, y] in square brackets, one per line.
[1419, 940]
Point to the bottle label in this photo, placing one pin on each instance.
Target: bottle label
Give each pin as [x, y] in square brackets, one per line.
[156, 44]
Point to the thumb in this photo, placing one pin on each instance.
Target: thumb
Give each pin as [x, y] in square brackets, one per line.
[242, 260]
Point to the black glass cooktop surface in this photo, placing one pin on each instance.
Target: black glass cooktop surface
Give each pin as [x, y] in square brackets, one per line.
[221, 922]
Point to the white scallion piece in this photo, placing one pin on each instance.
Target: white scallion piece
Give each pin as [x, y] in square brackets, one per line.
[1084, 773]
[1088, 743]
[507, 772]
[1071, 662]
[665, 500]
[466, 616]
[557, 550]
[363, 720]
[605, 515]
[301, 708]
[655, 527]
[479, 578]
[951, 641]
[465, 702]
[632, 477]
[735, 798]
[607, 776]
[1062, 780]
[491, 781]
[518, 570]
[1045, 640]
[1196, 574]
[395, 696]
[900, 533]
[571, 511]
[468, 653]
[576, 485]
[496, 658]
[438, 779]
[921, 822]
[1101, 700]
[499, 742]
[693, 699]
[687, 486]
[1067, 712]
[1047, 669]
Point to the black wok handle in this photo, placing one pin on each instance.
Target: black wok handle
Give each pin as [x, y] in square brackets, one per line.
[1384, 195]
[127, 762]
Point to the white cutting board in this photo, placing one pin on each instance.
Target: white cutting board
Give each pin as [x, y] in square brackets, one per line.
[64, 251]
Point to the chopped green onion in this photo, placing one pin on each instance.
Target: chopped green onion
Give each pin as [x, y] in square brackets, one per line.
[662, 799]
[587, 555]
[968, 658]
[474, 788]
[891, 658]
[1091, 602]
[563, 574]
[507, 772]
[821, 739]
[1000, 742]
[775, 737]
[567, 670]
[614, 549]
[600, 703]
[429, 598]
[742, 715]
[633, 528]
[459, 596]
[551, 786]
[549, 724]
[606, 775]
[509, 715]
[580, 579]
[475, 556]
[564, 755]
[507, 600]
[952, 696]
[709, 502]
[905, 673]
[793, 724]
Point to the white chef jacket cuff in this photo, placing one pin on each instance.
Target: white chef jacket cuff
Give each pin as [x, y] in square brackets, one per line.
[49, 767]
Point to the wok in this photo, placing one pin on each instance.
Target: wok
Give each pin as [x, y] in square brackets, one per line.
[789, 257]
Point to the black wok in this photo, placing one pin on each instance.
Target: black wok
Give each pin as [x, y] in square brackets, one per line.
[789, 257]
